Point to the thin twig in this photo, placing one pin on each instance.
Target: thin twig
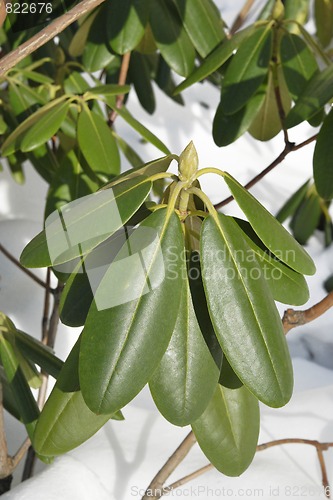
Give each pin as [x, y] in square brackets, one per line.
[292, 318]
[46, 34]
[26, 271]
[176, 458]
[121, 81]
[19, 455]
[241, 18]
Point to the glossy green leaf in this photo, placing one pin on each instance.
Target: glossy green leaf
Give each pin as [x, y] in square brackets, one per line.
[66, 421]
[306, 218]
[126, 23]
[316, 94]
[75, 83]
[322, 167]
[121, 346]
[297, 10]
[228, 128]
[76, 298]
[96, 54]
[267, 122]
[216, 59]
[287, 286]
[270, 231]
[228, 377]
[103, 212]
[8, 399]
[251, 336]
[247, 70]
[138, 127]
[291, 205]
[109, 89]
[203, 23]
[79, 40]
[324, 21]
[228, 430]
[23, 99]
[13, 141]
[186, 378]
[171, 37]
[140, 74]
[46, 126]
[97, 143]
[165, 80]
[298, 63]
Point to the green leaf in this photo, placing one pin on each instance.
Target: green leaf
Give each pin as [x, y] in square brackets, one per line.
[8, 399]
[318, 91]
[140, 74]
[46, 126]
[131, 156]
[228, 430]
[228, 128]
[270, 231]
[324, 21]
[96, 54]
[251, 335]
[121, 346]
[79, 40]
[103, 213]
[66, 421]
[215, 60]
[76, 298]
[171, 37]
[306, 218]
[287, 286]
[75, 83]
[186, 378]
[297, 10]
[97, 143]
[228, 377]
[138, 127]
[291, 205]
[126, 23]
[247, 70]
[322, 167]
[109, 90]
[203, 23]
[328, 284]
[267, 122]
[298, 63]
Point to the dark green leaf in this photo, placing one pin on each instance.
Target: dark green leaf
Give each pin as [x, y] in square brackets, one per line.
[66, 421]
[171, 37]
[121, 346]
[228, 128]
[215, 60]
[228, 377]
[247, 70]
[131, 156]
[203, 23]
[298, 63]
[140, 74]
[316, 94]
[270, 231]
[186, 378]
[97, 143]
[291, 205]
[250, 335]
[228, 430]
[96, 54]
[306, 218]
[322, 166]
[103, 213]
[126, 23]
[46, 126]
[328, 284]
[79, 40]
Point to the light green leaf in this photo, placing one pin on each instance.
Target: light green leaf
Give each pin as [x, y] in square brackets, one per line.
[318, 91]
[46, 126]
[126, 23]
[247, 70]
[250, 335]
[228, 430]
[75, 83]
[298, 63]
[79, 40]
[216, 59]
[292, 203]
[109, 89]
[186, 378]
[203, 23]
[270, 231]
[324, 21]
[121, 346]
[171, 37]
[103, 213]
[322, 166]
[66, 421]
[97, 143]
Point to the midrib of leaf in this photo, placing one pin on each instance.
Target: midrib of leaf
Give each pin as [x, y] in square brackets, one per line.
[98, 137]
[229, 417]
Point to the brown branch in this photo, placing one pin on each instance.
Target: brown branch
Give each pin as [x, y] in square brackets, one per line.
[46, 34]
[241, 18]
[292, 318]
[26, 271]
[121, 81]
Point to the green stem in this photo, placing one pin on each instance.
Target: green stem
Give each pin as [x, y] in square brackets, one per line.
[174, 196]
[200, 194]
[210, 170]
[163, 175]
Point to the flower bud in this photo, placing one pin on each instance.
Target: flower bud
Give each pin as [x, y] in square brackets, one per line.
[188, 163]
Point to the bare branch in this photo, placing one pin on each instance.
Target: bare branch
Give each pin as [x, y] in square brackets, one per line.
[292, 318]
[46, 34]
[121, 81]
[241, 18]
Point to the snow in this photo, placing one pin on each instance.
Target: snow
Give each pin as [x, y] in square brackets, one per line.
[120, 460]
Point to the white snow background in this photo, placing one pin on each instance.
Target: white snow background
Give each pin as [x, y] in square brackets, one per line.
[121, 459]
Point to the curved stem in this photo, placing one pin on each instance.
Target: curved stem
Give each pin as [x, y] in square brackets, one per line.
[121, 81]
[203, 197]
[209, 170]
[292, 318]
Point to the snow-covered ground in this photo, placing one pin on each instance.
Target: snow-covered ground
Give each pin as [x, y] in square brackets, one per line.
[123, 457]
